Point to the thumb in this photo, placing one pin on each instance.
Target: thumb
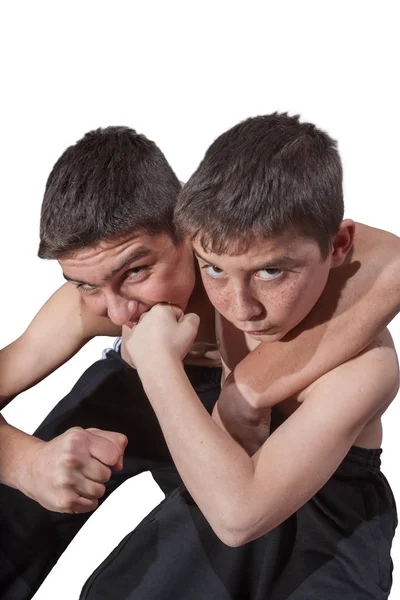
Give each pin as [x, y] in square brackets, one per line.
[108, 446]
[191, 322]
[177, 312]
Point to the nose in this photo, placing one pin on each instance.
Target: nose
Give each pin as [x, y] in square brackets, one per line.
[245, 306]
[119, 309]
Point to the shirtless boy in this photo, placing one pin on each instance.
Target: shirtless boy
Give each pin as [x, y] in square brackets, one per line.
[264, 211]
[107, 218]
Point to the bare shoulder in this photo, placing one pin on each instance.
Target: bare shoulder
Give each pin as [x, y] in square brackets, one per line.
[374, 247]
[65, 317]
[59, 330]
[69, 302]
[365, 235]
[371, 378]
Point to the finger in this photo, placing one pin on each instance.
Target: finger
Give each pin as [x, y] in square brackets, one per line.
[89, 489]
[192, 318]
[83, 505]
[96, 471]
[168, 308]
[120, 463]
[177, 312]
[192, 322]
[102, 448]
[71, 502]
[118, 439]
[142, 316]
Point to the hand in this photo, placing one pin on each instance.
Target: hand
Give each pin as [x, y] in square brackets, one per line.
[68, 473]
[163, 331]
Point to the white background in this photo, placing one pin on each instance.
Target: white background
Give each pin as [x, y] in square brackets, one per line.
[180, 72]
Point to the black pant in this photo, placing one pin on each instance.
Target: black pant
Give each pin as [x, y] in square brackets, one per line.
[109, 395]
[335, 547]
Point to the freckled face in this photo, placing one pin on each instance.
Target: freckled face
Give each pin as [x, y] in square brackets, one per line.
[121, 279]
[269, 289]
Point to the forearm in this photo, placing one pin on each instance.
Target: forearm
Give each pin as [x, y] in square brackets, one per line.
[14, 445]
[361, 297]
[340, 326]
[215, 469]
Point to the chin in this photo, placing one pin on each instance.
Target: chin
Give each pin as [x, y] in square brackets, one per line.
[266, 337]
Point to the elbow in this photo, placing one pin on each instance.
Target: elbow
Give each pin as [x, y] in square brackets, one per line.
[236, 533]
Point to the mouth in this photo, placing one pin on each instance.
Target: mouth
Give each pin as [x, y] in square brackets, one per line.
[258, 332]
[130, 324]
[266, 331]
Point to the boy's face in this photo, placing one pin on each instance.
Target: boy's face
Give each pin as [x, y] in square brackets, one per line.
[122, 279]
[270, 288]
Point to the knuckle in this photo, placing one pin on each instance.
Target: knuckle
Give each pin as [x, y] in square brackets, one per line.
[75, 435]
[105, 475]
[99, 491]
[69, 461]
[66, 502]
[87, 506]
[94, 504]
[63, 480]
[123, 439]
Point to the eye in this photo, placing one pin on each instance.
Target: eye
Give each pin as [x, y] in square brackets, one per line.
[213, 271]
[85, 288]
[136, 272]
[267, 274]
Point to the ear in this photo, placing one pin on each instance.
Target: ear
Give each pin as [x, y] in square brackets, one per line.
[342, 242]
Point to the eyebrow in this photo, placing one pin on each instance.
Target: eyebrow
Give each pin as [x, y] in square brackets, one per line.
[286, 261]
[133, 257]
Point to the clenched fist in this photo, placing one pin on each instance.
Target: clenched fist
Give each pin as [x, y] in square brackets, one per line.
[163, 331]
[68, 473]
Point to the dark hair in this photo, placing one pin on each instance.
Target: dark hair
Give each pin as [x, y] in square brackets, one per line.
[110, 183]
[263, 176]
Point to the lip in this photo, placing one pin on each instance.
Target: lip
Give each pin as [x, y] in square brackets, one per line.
[258, 332]
[130, 324]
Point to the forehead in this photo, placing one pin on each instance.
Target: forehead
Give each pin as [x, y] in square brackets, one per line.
[289, 245]
[110, 254]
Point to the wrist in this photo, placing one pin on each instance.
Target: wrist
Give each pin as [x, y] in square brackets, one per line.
[158, 364]
[161, 376]
[17, 449]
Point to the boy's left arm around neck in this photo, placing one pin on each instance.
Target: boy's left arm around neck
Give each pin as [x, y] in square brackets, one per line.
[358, 302]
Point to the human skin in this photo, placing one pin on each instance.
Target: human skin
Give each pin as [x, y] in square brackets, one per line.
[73, 316]
[341, 408]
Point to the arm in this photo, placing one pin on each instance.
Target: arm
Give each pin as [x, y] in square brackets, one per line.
[360, 299]
[61, 327]
[285, 472]
[50, 472]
